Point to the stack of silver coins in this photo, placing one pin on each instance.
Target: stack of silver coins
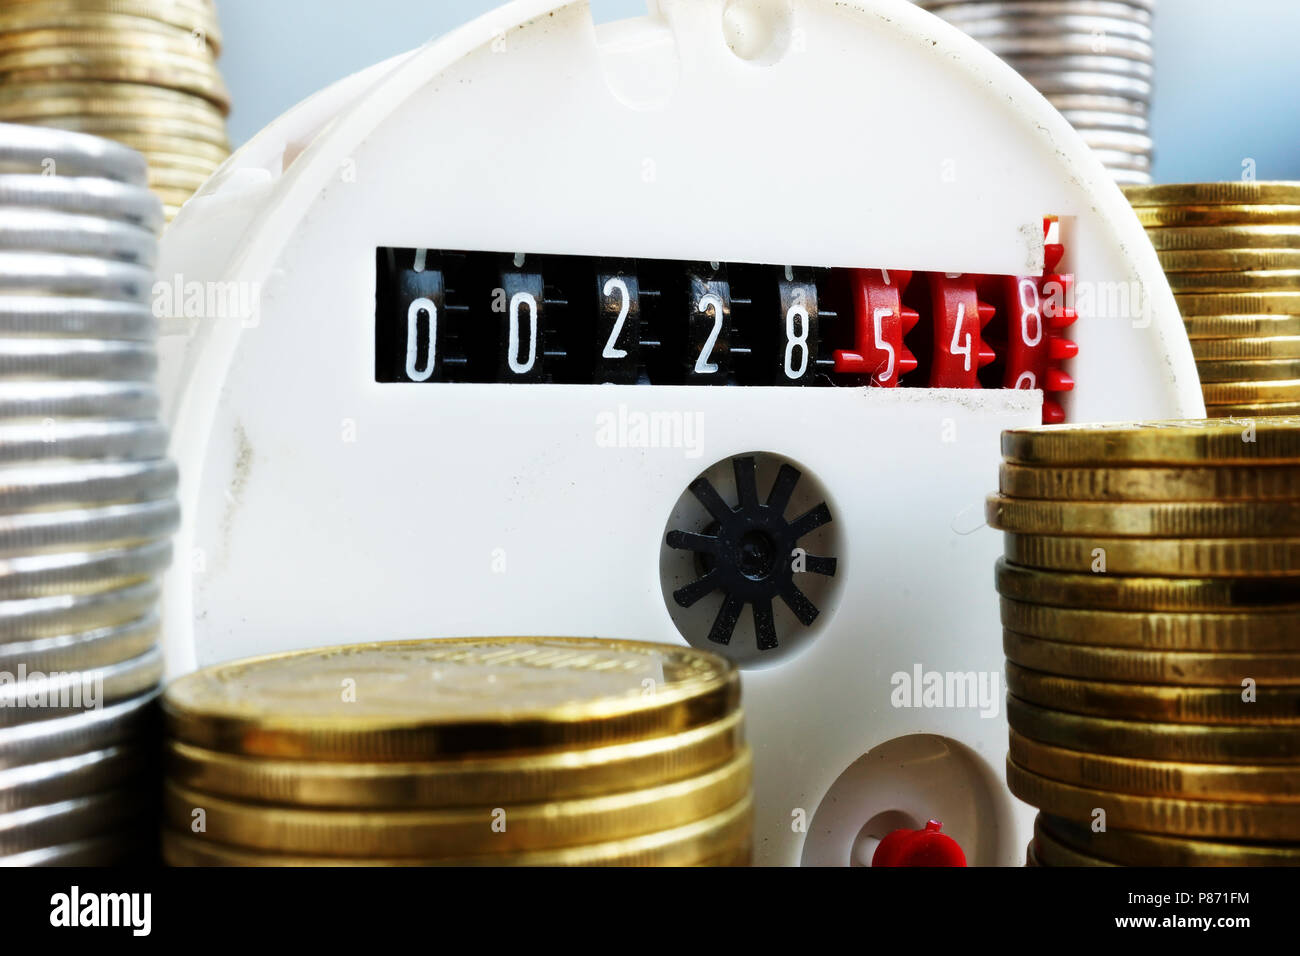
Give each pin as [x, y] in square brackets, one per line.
[87, 501]
[1091, 58]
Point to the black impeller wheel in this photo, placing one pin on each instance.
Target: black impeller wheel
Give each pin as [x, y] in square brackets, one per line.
[749, 553]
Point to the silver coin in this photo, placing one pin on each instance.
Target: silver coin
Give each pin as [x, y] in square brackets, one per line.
[106, 441]
[1066, 65]
[1097, 119]
[37, 273]
[1116, 159]
[1105, 83]
[1063, 24]
[42, 487]
[28, 357]
[82, 572]
[83, 529]
[38, 696]
[69, 777]
[46, 230]
[133, 720]
[1130, 177]
[91, 197]
[56, 615]
[56, 152]
[1118, 140]
[1119, 9]
[33, 401]
[98, 648]
[76, 318]
[52, 824]
[111, 850]
[1069, 45]
[1093, 101]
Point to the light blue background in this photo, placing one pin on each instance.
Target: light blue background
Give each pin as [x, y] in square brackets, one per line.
[1227, 71]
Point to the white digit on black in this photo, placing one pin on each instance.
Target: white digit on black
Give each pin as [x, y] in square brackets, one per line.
[413, 370]
[516, 301]
[796, 338]
[611, 350]
[710, 300]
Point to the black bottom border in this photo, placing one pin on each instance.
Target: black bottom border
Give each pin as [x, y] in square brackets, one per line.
[469, 907]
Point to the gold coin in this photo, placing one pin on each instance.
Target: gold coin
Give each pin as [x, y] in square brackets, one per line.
[1204, 193]
[131, 95]
[1262, 410]
[1223, 483]
[1167, 519]
[1130, 848]
[1150, 630]
[1209, 818]
[1272, 705]
[18, 25]
[1219, 214]
[173, 198]
[1149, 740]
[1241, 303]
[168, 39]
[1108, 592]
[108, 67]
[1268, 370]
[1228, 260]
[106, 98]
[1272, 280]
[1167, 557]
[175, 151]
[1158, 778]
[722, 839]
[492, 827]
[511, 780]
[161, 164]
[1273, 347]
[1219, 393]
[193, 166]
[204, 136]
[417, 700]
[1201, 442]
[1241, 326]
[179, 180]
[1188, 238]
[183, 14]
[1051, 852]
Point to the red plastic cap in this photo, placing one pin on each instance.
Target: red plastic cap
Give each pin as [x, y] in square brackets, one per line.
[928, 847]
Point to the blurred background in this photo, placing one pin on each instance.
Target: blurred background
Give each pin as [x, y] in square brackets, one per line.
[1227, 73]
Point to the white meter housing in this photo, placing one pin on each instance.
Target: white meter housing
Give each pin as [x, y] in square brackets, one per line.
[534, 329]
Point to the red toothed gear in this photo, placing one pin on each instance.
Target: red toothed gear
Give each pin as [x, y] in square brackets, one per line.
[880, 322]
[927, 847]
[1021, 332]
[1056, 293]
[958, 318]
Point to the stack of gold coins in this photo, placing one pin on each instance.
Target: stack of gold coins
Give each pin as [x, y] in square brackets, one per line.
[1231, 252]
[484, 751]
[142, 72]
[1151, 621]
